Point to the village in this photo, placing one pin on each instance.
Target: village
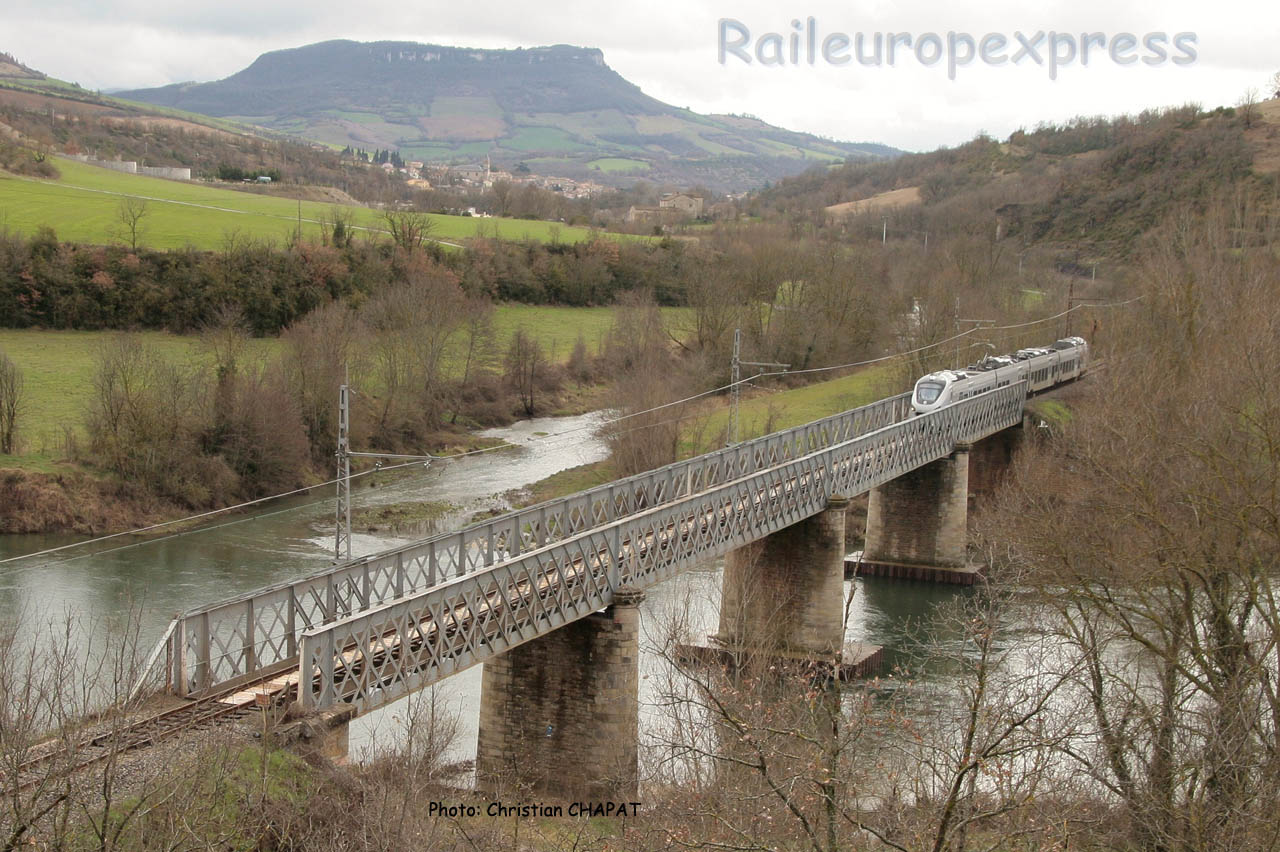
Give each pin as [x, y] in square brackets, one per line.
[672, 207]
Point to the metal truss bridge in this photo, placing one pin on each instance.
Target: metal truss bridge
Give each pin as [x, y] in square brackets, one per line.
[371, 630]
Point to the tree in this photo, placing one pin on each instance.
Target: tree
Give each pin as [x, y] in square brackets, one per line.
[1155, 548]
[502, 196]
[409, 229]
[414, 325]
[337, 229]
[129, 213]
[11, 404]
[318, 350]
[524, 365]
[1248, 107]
[1274, 85]
[146, 421]
[766, 754]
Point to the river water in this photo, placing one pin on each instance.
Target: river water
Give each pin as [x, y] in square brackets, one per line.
[160, 577]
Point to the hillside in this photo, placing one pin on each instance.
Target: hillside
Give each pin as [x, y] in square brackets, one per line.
[42, 111]
[1094, 184]
[561, 110]
[10, 67]
[83, 204]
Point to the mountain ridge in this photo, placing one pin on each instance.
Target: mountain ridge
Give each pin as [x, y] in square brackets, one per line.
[560, 109]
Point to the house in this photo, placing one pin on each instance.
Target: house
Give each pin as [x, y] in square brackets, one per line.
[687, 205]
[472, 172]
[659, 215]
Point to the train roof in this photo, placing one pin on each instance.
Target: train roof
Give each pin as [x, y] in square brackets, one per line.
[992, 362]
[944, 376]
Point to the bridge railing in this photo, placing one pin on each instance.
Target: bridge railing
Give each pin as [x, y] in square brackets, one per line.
[377, 656]
[256, 633]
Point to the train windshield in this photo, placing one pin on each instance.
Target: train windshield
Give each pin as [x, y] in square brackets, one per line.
[928, 392]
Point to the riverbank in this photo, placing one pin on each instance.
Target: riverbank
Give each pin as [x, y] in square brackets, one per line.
[761, 411]
[74, 502]
[68, 498]
[63, 497]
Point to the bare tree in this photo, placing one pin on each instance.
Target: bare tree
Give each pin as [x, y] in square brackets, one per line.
[523, 366]
[130, 213]
[478, 314]
[1274, 85]
[1248, 107]
[319, 350]
[415, 326]
[1155, 548]
[63, 682]
[12, 404]
[765, 754]
[409, 229]
[649, 384]
[502, 196]
[719, 302]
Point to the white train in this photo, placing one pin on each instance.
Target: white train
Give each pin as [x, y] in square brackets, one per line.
[1042, 367]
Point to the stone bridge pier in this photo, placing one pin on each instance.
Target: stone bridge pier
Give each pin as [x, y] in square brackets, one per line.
[990, 459]
[784, 594]
[559, 714]
[917, 524]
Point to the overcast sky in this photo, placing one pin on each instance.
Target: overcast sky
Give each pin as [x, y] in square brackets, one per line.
[670, 49]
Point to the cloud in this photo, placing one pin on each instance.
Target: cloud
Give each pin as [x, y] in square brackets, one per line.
[668, 48]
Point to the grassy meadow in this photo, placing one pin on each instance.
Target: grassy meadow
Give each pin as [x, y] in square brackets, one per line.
[618, 165]
[763, 411]
[82, 205]
[58, 366]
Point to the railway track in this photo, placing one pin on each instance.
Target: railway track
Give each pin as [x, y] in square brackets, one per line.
[368, 664]
[209, 711]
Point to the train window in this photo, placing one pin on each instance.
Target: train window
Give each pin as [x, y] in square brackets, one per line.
[927, 393]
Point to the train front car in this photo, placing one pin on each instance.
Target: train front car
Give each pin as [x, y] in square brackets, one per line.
[933, 391]
[1082, 349]
[1041, 368]
[1073, 357]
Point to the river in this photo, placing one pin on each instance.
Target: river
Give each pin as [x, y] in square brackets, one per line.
[165, 575]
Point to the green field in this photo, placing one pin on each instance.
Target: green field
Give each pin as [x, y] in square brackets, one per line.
[557, 329]
[533, 138]
[763, 412]
[82, 206]
[618, 165]
[58, 366]
[768, 411]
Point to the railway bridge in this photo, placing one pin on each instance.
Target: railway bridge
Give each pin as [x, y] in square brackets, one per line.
[547, 596]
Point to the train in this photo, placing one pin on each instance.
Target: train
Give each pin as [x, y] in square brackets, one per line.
[1042, 367]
